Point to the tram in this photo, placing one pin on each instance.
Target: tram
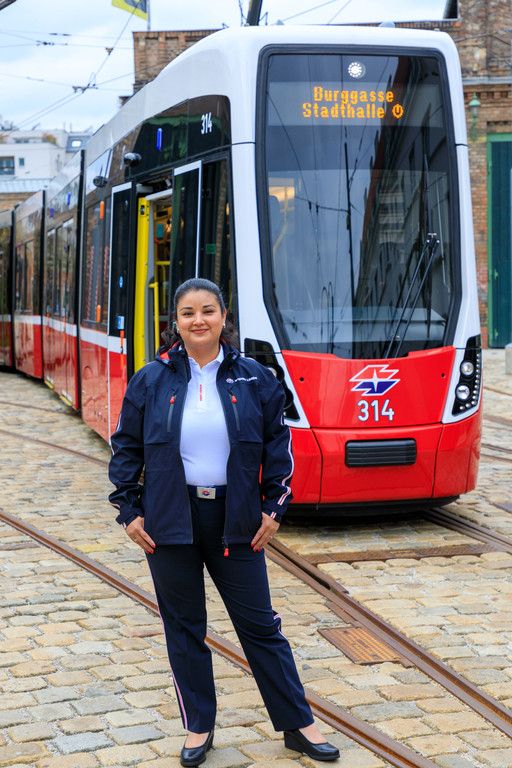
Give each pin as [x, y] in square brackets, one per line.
[320, 176]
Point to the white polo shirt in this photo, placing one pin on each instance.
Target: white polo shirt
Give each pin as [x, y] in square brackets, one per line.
[204, 444]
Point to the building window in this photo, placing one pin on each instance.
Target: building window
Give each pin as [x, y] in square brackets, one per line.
[6, 166]
[21, 161]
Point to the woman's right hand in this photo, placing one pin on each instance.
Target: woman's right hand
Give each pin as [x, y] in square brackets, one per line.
[137, 534]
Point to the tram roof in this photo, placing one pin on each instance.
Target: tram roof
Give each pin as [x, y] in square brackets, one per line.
[225, 63]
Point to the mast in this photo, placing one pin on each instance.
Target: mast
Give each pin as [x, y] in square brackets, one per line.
[254, 13]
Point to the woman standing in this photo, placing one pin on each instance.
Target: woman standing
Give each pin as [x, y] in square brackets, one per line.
[202, 420]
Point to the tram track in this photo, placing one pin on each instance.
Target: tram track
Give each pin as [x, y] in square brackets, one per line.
[385, 747]
[339, 601]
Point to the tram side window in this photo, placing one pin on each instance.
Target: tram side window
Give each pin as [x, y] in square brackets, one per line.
[49, 273]
[96, 265]
[184, 227]
[27, 284]
[120, 256]
[60, 261]
[70, 273]
[216, 260]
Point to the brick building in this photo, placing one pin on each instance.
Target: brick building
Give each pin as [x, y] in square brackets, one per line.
[482, 31]
[154, 50]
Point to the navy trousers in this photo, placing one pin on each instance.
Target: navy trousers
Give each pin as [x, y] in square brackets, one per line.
[241, 579]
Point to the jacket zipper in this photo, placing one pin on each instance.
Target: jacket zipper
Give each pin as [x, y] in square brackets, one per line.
[172, 400]
[232, 398]
[234, 401]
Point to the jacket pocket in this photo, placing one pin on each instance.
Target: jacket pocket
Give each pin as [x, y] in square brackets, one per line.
[250, 455]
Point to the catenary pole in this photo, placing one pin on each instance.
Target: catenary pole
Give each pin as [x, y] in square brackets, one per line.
[254, 13]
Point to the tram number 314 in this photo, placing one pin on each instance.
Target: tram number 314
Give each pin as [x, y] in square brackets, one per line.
[383, 413]
[206, 123]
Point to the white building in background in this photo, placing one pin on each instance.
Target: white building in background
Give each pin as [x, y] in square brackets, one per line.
[29, 159]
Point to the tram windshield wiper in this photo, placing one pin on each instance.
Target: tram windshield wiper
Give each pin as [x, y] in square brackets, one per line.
[428, 254]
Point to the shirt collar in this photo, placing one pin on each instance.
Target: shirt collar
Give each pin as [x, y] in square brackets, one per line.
[212, 365]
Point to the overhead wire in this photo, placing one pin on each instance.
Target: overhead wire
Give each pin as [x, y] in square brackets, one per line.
[78, 90]
[338, 12]
[308, 10]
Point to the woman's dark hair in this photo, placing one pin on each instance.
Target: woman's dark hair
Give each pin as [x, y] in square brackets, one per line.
[170, 336]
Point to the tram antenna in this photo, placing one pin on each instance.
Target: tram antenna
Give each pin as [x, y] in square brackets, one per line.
[254, 13]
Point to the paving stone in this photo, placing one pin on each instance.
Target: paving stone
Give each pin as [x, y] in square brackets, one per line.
[390, 710]
[124, 755]
[129, 717]
[91, 648]
[454, 722]
[69, 678]
[99, 704]
[454, 761]
[402, 728]
[147, 682]
[436, 744]
[81, 724]
[487, 740]
[75, 760]
[18, 700]
[54, 694]
[22, 753]
[82, 742]
[135, 734]
[13, 717]
[31, 732]
[448, 704]
[51, 712]
[497, 758]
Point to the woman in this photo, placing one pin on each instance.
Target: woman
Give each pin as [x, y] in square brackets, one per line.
[202, 420]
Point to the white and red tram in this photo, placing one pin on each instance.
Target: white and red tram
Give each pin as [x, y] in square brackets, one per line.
[320, 176]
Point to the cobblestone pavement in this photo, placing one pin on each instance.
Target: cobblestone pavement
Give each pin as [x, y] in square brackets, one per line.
[457, 607]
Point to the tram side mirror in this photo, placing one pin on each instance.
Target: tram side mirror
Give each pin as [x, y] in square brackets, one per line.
[131, 159]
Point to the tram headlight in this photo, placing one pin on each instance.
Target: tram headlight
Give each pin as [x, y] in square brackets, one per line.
[467, 368]
[463, 392]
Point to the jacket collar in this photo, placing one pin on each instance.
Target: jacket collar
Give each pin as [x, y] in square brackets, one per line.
[177, 356]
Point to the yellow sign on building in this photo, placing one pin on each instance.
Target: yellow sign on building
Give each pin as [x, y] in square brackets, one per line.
[137, 7]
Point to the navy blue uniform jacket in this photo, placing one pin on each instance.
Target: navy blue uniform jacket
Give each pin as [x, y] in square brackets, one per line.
[148, 436]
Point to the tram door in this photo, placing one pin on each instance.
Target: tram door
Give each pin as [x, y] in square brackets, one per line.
[181, 233]
[154, 217]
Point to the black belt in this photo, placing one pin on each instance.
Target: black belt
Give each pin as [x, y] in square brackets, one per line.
[207, 492]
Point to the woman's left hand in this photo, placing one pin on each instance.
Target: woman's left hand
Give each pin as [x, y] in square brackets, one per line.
[263, 535]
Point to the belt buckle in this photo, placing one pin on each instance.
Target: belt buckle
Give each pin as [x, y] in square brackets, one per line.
[206, 492]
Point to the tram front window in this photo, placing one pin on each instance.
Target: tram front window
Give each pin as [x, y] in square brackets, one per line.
[358, 174]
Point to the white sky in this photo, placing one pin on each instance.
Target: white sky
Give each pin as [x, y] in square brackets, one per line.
[90, 25]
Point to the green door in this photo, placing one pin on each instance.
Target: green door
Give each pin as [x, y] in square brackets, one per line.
[499, 204]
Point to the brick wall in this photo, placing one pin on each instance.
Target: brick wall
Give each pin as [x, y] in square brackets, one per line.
[482, 34]
[154, 50]
[9, 199]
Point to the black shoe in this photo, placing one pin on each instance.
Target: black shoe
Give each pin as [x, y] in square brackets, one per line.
[323, 751]
[192, 756]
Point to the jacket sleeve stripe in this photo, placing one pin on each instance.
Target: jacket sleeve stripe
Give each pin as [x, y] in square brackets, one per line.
[283, 481]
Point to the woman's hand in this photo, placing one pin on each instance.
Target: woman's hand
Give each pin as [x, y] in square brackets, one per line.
[263, 535]
[137, 534]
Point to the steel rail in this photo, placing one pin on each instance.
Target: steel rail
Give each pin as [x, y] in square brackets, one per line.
[463, 525]
[348, 607]
[55, 446]
[359, 731]
[65, 410]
